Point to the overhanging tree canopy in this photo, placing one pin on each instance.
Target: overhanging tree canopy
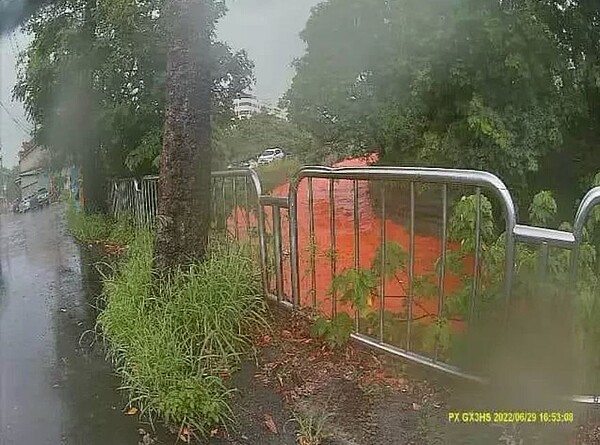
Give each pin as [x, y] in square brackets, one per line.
[484, 84]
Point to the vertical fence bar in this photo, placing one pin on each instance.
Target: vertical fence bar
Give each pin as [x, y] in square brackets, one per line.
[224, 206]
[146, 200]
[383, 268]
[262, 241]
[136, 203]
[411, 267]
[277, 251]
[294, 260]
[442, 265]
[477, 255]
[235, 208]
[213, 204]
[356, 246]
[143, 202]
[332, 243]
[154, 200]
[247, 207]
[313, 244]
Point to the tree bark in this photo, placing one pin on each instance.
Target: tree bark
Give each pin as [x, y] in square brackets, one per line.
[184, 185]
[91, 162]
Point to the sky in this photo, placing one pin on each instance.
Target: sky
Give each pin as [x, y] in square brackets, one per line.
[267, 29]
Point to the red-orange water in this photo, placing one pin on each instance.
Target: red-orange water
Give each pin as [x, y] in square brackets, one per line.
[427, 248]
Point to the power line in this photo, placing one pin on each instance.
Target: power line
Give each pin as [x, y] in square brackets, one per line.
[17, 123]
[22, 125]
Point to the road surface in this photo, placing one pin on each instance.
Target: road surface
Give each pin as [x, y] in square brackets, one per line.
[54, 388]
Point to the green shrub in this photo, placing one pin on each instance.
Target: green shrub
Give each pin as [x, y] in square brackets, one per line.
[97, 227]
[87, 227]
[173, 341]
[336, 332]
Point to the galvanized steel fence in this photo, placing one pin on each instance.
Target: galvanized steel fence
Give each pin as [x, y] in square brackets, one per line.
[240, 208]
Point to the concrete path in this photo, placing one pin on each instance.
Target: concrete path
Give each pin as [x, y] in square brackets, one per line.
[54, 388]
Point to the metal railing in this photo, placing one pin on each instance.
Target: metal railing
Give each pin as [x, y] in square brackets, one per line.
[234, 192]
[411, 176]
[237, 196]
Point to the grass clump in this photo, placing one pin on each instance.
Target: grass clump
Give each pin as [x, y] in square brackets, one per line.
[175, 341]
[93, 227]
[312, 427]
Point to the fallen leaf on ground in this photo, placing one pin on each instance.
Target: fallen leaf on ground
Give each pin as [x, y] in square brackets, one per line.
[131, 411]
[270, 423]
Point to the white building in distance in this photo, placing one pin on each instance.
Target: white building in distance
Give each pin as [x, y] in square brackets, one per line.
[247, 105]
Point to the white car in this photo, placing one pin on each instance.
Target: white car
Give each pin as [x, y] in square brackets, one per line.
[270, 155]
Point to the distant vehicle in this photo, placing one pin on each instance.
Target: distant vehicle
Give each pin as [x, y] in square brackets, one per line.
[25, 205]
[43, 197]
[270, 155]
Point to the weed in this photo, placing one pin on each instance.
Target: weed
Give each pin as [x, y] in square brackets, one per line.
[174, 342]
[336, 332]
[311, 427]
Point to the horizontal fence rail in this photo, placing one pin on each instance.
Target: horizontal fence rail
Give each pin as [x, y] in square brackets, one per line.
[288, 230]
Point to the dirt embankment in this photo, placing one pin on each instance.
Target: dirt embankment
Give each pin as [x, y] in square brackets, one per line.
[360, 397]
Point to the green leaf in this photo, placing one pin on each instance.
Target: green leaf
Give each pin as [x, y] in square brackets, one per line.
[542, 208]
[396, 258]
[355, 287]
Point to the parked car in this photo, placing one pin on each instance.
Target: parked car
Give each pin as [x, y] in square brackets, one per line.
[270, 155]
[25, 205]
[43, 197]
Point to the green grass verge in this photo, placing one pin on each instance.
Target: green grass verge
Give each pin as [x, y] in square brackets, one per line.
[174, 342]
[96, 227]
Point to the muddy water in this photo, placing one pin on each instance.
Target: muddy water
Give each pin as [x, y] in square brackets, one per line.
[54, 387]
[428, 246]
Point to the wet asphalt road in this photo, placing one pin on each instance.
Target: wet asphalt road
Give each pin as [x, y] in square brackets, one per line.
[54, 388]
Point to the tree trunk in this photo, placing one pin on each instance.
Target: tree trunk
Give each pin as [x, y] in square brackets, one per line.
[184, 185]
[92, 166]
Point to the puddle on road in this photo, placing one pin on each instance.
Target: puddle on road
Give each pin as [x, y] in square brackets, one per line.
[88, 383]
